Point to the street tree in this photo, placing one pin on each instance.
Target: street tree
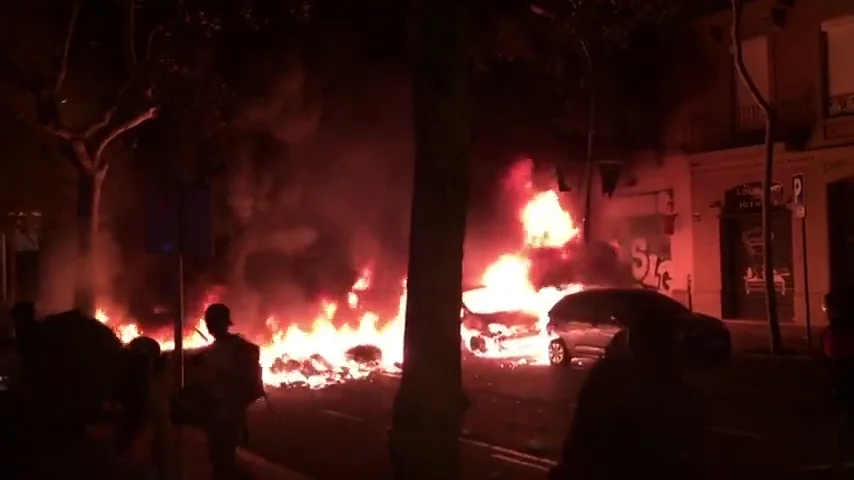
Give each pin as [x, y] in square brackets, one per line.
[769, 111]
[98, 82]
[601, 60]
[84, 144]
[429, 406]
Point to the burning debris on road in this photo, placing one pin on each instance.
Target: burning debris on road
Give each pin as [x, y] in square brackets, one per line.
[328, 353]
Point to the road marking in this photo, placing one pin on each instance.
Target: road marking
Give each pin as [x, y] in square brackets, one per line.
[511, 455]
[735, 433]
[335, 413]
[526, 456]
[825, 466]
[509, 459]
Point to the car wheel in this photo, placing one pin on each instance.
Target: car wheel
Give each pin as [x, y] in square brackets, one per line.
[558, 352]
[477, 344]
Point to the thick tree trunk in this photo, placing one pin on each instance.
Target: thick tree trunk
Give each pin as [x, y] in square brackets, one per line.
[88, 203]
[430, 404]
[768, 235]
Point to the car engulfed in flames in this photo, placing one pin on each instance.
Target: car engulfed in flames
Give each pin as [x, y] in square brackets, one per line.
[504, 318]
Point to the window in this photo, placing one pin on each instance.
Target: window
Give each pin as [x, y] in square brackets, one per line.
[839, 37]
[579, 307]
[755, 55]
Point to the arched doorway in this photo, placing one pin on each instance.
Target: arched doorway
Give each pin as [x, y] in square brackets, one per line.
[840, 232]
[742, 276]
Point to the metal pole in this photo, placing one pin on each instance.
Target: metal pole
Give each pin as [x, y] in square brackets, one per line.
[3, 290]
[690, 294]
[807, 314]
[12, 269]
[179, 324]
[179, 328]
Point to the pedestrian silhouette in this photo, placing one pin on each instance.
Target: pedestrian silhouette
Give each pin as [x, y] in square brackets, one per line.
[229, 380]
[143, 394]
[69, 368]
[635, 416]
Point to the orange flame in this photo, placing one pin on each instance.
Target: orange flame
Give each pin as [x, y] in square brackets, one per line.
[320, 355]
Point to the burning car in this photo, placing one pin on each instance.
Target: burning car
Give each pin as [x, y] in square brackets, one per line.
[488, 332]
[596, 322]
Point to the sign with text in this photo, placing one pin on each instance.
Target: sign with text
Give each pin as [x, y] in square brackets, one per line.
[798, 195]
[747, 198]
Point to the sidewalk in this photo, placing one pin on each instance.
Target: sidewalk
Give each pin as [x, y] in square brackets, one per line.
[750, 337]
[195, 465]
[194, 462]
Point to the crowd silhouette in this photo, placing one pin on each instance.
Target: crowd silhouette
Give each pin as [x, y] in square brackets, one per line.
[77, 403]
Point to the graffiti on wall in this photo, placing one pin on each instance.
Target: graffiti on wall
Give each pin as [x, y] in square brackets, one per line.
[651, 267]
[646, 248]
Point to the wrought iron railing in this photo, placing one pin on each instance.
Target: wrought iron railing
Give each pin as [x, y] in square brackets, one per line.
[745, 126]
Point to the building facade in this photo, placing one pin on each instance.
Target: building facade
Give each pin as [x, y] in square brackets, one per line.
[689, 219]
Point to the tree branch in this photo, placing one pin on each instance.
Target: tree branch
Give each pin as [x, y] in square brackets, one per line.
[61, 55]
[149, 45]
[129, 34]
[740, 67]
[107, 117]
[120, 129]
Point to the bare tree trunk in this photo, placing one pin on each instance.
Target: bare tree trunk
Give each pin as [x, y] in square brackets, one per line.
[429, 406]
[89, 186]
[770, 113]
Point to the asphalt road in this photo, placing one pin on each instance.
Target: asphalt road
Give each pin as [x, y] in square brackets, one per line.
[764, 417]
[341, 433]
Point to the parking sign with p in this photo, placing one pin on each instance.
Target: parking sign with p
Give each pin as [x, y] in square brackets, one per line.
[798, 188]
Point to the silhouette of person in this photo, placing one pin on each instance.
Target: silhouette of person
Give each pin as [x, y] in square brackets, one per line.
[838, 352]
[143, 395]
[635, 416]
[227, 384]
[69, 367]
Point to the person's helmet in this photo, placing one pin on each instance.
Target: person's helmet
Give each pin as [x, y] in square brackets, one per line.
[144, 346]
[218, 315]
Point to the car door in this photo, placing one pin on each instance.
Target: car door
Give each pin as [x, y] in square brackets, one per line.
[573, 319]
[605, 326]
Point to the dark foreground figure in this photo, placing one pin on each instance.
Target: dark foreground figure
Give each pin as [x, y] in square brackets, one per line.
[228, 381]
[68, 366]
[838, 352]
[636, 417]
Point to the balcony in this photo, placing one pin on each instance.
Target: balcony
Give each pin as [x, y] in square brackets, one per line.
[746, 127]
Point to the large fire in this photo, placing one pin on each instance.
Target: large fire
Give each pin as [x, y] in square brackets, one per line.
[325, 354]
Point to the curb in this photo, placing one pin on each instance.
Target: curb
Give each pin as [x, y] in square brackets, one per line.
[272, 469]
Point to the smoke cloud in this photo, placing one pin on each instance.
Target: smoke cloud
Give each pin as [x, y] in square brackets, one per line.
[315, 199]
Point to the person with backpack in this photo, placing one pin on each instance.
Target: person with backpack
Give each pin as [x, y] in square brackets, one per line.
[232, 381]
